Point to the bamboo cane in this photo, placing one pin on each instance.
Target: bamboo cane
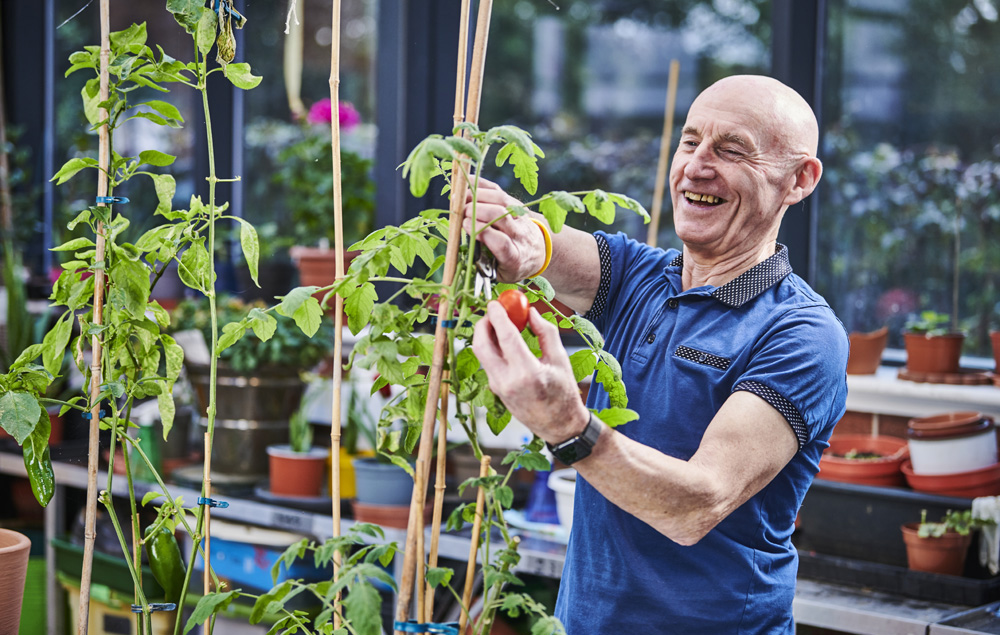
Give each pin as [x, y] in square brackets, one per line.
[458, 191]
[477, 525]
[338, 331]
[439, 487]
[665, 141]
[89, 534]
[293, 59]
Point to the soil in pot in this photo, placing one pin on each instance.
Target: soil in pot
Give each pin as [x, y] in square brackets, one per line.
[936, 555]
[297, 473]
[933, 353]
[864, 460]
[866, 351]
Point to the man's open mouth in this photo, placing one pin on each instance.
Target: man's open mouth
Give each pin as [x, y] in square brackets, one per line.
[703, 199]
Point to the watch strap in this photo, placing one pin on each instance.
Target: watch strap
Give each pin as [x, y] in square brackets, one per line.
[579, 447]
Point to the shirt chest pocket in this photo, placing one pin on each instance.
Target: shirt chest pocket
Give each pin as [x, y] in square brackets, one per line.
[688, 355]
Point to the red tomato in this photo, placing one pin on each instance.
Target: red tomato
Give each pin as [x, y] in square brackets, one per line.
[516, 304]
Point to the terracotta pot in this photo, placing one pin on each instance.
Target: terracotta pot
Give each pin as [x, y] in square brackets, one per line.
[933, 353]
[936, 555]
[866, 351]
[318, 267]
[981, 482]
[297, 473]
[15, 548]
[951, 443]
[884, 471]
[387, 515]
[995, 339]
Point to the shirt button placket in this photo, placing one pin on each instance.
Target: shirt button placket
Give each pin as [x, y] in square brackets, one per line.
[672, 303]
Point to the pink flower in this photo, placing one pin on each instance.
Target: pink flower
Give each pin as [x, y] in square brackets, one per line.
[321, 112]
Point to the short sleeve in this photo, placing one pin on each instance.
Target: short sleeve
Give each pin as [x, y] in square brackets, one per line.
[800, 369]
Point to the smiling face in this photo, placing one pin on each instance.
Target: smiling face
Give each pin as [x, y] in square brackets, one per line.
[747, 152]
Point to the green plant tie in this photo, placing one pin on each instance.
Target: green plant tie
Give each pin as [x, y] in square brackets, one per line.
[109, 200]
[211, 502]
[155, 606]
[412, 626]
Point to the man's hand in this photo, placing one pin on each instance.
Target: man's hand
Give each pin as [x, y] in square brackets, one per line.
[540, 392]
[516, 242]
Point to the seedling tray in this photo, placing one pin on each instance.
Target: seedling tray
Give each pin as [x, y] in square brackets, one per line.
[898, 580]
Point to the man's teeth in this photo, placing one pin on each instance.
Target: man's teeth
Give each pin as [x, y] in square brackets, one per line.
[704, 198]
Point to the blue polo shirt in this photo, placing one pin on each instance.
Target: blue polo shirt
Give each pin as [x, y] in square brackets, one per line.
[683, 353]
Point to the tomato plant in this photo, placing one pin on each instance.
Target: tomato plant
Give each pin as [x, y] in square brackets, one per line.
[516, 305]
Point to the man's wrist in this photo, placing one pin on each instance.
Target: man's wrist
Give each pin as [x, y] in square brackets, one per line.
[579, 446]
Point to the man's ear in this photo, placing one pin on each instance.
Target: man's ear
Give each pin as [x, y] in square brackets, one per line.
[807, 175]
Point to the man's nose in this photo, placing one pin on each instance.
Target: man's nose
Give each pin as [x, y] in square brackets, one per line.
[700, 163]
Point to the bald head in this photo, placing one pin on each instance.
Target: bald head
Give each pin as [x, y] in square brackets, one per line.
[785, 117]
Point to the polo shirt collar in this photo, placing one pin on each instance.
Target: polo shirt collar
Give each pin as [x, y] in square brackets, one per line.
[752, 282]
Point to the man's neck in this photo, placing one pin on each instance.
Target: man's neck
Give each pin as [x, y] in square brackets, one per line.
[702, 268]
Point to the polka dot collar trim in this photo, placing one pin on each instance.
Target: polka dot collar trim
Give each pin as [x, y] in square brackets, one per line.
[752, 282]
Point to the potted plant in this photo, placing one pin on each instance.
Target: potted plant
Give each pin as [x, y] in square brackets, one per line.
[940, 547]
[303, 172]
[297, 468]
[932, 345]
[864, 459]
[15, 548]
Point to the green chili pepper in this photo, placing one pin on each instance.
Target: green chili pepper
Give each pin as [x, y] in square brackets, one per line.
[39, 468]
[165, 561]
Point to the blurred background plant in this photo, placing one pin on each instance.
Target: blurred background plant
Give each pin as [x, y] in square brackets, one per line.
[300, 184]
[289, 347]
[916, 204]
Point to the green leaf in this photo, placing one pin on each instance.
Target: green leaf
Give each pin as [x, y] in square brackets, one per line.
[466, 147]
[155, 157]
[556, 205]
[614, 417]
[27, 355]
[71, 167]
[421, 164]
[166, 187]
[301, 306]
[231, 333]
[131, 39]
[168, 409]
[208, 606]
[130, 287]
[586, 328]
[262, 323]
[90, 94]
[208, 24]
[505, 496]
[168, 110]
[363, 609]
[600, 206]
[437, 576]
[240, 75]
[609, 375]
[359, 306]
[583, 362]
[19, 413]
[251, 248]
[525, 165]
[402, 463]
[194, 270]
[629, 203]
[174, 356]
[150, 496]
[55, 343]
[73, 245]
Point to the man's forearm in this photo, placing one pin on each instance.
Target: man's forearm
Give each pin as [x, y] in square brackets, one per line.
[575, 269]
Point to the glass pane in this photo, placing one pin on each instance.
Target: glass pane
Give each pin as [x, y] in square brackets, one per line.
[909, 207]
[288, 168]
[589, 80]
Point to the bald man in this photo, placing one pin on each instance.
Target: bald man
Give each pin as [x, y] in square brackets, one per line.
[737, 368]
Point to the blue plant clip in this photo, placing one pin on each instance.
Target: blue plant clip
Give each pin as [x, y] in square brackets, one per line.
[437, 628]
[155, 606]
[211, 502]
[108, 200]
[218, 5]
[89, 415]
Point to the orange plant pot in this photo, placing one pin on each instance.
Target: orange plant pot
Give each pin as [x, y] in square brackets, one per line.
[936, 555]
[297, 473]
[884, 471]
[866, 351]
[933, 354]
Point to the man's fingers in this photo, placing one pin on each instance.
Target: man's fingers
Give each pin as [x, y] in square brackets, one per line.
[548, 337]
